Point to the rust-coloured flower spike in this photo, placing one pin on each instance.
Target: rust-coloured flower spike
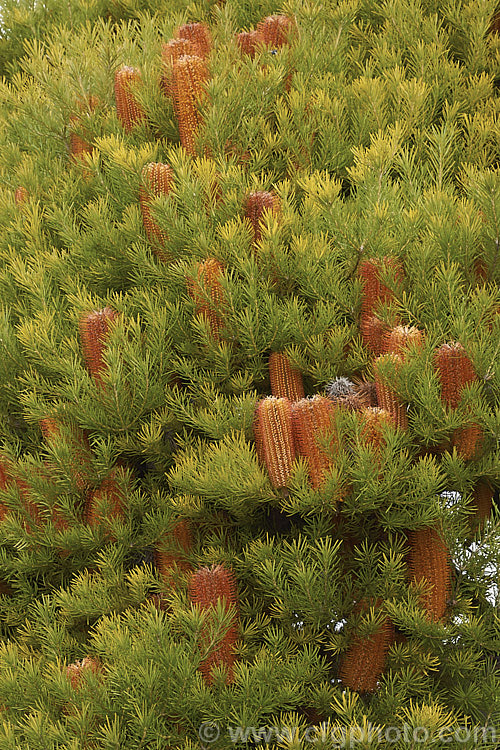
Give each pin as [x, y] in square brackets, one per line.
[400, 338]
[170, 52]
[128, 110]
[199, 36]
[75, 671]
[157, 180]
[189, 74]
[373, 420]
[94, 331]
[366, 393]
[468, 441]
[286, 381]
[274, 438]
[5, 479]
[277, 31]
[373, 333]
[363, 663]
[107, 502]
[207, 587]
[386, 396]
[374, 292]
[311, 421]
[21, 196]
[208, 295]
[454, 370]
[53, 432]
[255, 206]
[481, 504]
[171, 551]
[78, 145]
[247, 42]
[428, 560]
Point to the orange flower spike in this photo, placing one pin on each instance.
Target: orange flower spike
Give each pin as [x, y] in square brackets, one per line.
[189, 74]
[363, 663]
[21, 196]
[172, 550]
[208, 285]
[373, 333]
[277, 31]
[110, 496]
[52, 431]
[286, 381]
[128, 110]
[94, 331]
[157, 180]
[207, 587]
[198, 34]
[399, 338]
[428, 560]
[467, 441]
[274, 438]
[247, 42]
[311, 419]
[78, 145]
[386, 396]
[170, 52]
[5, 479]
[481, 504]
[75, 671]
[255, 206]
[454, 370]
[374, 292]
[373, 419]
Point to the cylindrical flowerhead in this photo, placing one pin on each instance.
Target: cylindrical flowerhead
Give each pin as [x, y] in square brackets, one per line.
[79, 144]
[75, 672]
[77, 441]
[454, 370]
[21, 196]
[256, 204]
[208, 295]
[128, 110]
[6, 477]
[286, 381]
[247, 42]
[189, 74]
[373, 333]
[482, 503]
[366, 393]
[157, 179]
[374, 292]
[274, 438]
[428, 561]
[312, 421]
[107, 502]
[171, 551]
[170, 52]
[94, 332]
[400, 338]
[278, 30]
[468, 441]
[363, 663]
[198, 34]
[373, 422]
[387, 397]
[208, 587]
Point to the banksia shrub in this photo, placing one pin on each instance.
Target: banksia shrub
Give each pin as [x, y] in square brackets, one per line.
[198, 34]
[428, 561]
[208, 587]
[54, 432]
[128, 110]
[386, 396]
[157, 179]
[311, 421]
[247, 42]
[255, 205]
[189, 74]
[94, 331]
[107, 502]
[373, 334]
[171, 551]
[21, 196]
[454, 370]
[75, 672]
[286, 381]
[363, 663]
[78, 143]
[170, 52]
[208, 295]
[399, 338]
[277, 31]
[274, 438]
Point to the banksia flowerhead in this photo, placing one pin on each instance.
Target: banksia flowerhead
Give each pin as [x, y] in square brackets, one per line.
[311, 421]
[373, 420]
[276, 31]
[157, 180]
[189, 74]
[54, 432]
[286, 381]
[21, 196]
[170, 52]
[128, 110]
[274, 438]
[198, 34]
[5, 479]
[366, 393]
[428, 561]
[373, 333]
[207, 587]
[76, 671]
[107, 502]
[386, 396]
[208, 295]
[467, 441]
[374, 292]
[94, 331]
[78, 144]
[247, 41]
[339, 388]
[363, 663]
[172, 549]
[482, 503]
[399, 338]
[255, 205]
[454, 370]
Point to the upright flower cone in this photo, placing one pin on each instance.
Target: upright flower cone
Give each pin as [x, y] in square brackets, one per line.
[208, 295]
[6, 477]
[286, 381]
[21, 196]
[54, 432]
[255, 205]
[170, 52]
[428, 561]
[198, 34]
[481, 504]
[373, 333]
[107, 502]
[94, 331]
[157, 179]
[454, 370]
[311, 421]
[171, 551]
[128, 110]
[207, 587]
[386, 396]
[373, 420]
[75, 672]
[363, 663]
[374, 291]
[79, 144]
[189, 74]
[248, 41]
[274, 438]
[277, 31]
[399, 338]
[468, 440]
